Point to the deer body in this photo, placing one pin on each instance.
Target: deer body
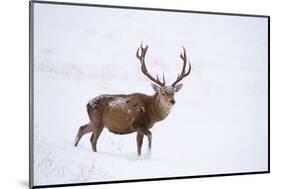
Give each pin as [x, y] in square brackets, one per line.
[125, 114]
[120, 112]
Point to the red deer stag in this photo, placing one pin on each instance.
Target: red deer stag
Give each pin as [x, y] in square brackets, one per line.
[125, 114]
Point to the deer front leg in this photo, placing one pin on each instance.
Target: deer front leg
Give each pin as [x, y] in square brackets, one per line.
[141, 125]
[139, 142]
[148, 134]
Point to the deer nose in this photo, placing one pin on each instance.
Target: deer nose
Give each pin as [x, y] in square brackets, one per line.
[173, 101]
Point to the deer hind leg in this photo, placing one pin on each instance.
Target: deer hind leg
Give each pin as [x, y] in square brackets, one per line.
[95, 135]
[139, 142]
[84, 129]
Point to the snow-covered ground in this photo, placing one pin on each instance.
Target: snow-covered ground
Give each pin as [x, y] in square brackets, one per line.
[218, 125]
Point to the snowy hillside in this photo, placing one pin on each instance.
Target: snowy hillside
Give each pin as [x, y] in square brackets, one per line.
[219, 121]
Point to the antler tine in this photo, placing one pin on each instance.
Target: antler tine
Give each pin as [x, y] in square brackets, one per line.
[183, 57]
[141, 56]
[183, 72]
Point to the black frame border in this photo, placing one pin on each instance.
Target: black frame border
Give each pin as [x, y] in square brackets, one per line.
[31, 92]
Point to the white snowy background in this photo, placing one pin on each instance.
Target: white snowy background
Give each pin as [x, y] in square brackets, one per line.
[218, 125]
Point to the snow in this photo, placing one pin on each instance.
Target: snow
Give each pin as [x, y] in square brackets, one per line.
[218, 125]
[118, 102]
[169, 89]
[94, 100]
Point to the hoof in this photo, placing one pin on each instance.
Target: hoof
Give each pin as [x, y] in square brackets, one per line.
[76, 142]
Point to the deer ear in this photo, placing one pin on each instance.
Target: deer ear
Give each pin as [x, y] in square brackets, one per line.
[178, 87]
[155, 87]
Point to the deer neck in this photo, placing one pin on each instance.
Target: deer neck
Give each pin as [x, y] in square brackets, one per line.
[160, 109]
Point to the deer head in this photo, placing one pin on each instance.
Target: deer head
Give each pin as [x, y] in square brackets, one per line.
[165, 94]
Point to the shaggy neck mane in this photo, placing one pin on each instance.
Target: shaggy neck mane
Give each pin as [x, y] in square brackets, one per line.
[159, 110]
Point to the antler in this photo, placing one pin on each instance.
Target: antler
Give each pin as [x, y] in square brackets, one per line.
[141, 57]
[183, 72]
